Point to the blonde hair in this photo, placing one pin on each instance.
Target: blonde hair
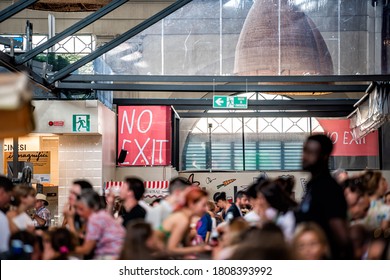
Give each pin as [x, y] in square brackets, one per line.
[21, 191]
[314, 228]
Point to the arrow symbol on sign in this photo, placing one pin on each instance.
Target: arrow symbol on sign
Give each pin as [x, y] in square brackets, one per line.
[219, 101]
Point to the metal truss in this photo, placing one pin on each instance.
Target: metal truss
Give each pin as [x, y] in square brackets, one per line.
[15, 8]
[118, 40]
[70, 30]
[261, 108]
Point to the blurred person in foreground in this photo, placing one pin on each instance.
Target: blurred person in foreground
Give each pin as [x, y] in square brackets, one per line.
[104, 234]
[141, 243]
[324, 202]
[176, 198]
[71, 219]
[23, 200]
[175, 229]
[310, 243]
[6, 187]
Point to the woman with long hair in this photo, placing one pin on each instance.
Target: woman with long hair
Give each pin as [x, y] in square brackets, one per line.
[175, 229]
[140, 242]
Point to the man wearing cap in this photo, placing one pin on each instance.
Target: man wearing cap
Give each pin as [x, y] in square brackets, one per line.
[42, 214]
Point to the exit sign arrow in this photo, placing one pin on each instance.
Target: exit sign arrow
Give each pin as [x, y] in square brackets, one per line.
[219, 101]
[230, 102]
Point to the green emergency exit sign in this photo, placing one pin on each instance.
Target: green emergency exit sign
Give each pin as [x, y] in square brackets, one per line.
[230, 102]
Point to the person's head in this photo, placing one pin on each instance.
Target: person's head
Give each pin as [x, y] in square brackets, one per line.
[75, 190]
[376, 183]
[21, 245]
[211, 206]
[310, 242]
[40, 201]
[316, 152]
[233, 231]
[23, 196]
[88, 203]
[354, 188]
[241, 199]
[271, 195]
[177, 187]
[387, 198]
[6, 187]
[139, 242]
[265, 243]
[287, 184]
[220, 199]
[196, 201]
[133, 189]
[62, 242]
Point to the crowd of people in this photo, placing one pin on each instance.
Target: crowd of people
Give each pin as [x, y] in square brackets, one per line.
[339, 217]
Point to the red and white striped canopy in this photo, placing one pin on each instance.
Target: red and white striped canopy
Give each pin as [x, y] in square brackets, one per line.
[148, 184]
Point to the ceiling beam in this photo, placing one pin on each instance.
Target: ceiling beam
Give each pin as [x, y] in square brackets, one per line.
[15, 8]
[214, 88]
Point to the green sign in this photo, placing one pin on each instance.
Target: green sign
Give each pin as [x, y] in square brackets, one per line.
[81, 123]
[230, 102]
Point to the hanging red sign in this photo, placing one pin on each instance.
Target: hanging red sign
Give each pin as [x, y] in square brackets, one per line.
[145, 132]
[345, 142]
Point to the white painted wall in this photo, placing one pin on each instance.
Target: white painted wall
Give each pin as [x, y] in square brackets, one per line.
[210, 180]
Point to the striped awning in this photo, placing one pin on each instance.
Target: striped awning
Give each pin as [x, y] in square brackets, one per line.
[148, 185]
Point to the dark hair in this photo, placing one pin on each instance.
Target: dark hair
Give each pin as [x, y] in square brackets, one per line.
[324, 141]
[63, 242]
[137, 186]
[84, 185]
[178, 183]
[219, 196]
[6, 184]
[276, 197]
[262, 244]
[21, 245]
[134, 247]
[91, 199]
[286, 183]
[356, 185]
[240, 194]
[254, 187]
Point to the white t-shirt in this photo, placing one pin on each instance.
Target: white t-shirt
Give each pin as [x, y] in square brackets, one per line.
[4, 232]
[156, 215]
[23, 221]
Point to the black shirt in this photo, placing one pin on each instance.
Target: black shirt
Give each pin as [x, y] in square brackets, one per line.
[324, 200]
[137, 212]
[234, 210]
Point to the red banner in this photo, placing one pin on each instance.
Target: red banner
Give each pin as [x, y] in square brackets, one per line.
[344, 140]
[145, 132]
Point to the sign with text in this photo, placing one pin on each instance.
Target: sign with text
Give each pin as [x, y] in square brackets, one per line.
[145, 132]
[345, 142]
[231, 102]
[39, 160]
